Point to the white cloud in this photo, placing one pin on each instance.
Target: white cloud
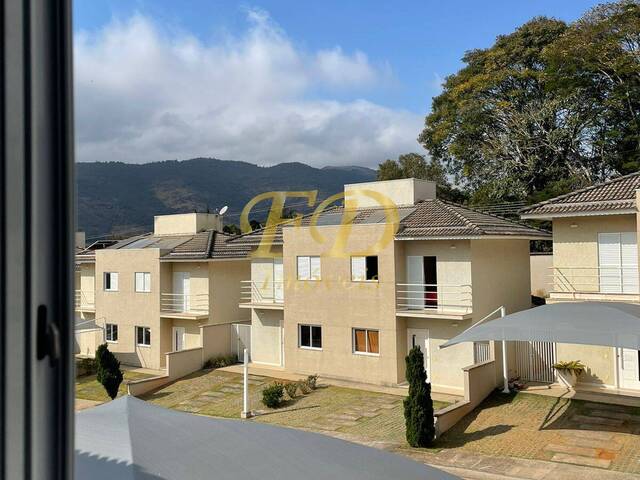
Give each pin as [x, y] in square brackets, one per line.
[145, 94]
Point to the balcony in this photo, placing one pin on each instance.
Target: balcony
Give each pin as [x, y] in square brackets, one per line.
[603, 283]
[423, 300]
[85, 301]
[179, 305]
[268, 295]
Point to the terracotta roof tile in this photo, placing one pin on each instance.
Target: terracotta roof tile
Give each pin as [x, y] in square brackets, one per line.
[616, 194]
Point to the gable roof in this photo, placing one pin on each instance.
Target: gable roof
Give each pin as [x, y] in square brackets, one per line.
[427, 219]
[616, 196]
[208, 244]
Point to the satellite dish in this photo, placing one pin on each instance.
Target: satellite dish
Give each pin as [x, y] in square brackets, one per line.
[223, 210]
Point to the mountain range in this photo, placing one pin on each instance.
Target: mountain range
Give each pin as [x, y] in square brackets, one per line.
[115, 198]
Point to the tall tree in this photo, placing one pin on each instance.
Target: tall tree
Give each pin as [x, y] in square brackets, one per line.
[529, 115]
[414, 165]
[418, 406]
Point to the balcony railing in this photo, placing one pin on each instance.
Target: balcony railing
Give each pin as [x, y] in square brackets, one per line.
[264, 292]
[85, 299]
[440, 298]
[184, 303]
[601, 280]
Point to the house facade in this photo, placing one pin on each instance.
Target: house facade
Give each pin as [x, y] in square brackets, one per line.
[595, 258]
[347, 299]
[150, 294]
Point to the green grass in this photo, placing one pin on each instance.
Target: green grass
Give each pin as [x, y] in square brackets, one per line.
[88, 388]
[310, 411]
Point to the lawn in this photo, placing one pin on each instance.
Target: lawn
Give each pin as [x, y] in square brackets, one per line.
[347, 412]
[88, 388]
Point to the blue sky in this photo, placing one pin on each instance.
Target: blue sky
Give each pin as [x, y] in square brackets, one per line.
[373, 65]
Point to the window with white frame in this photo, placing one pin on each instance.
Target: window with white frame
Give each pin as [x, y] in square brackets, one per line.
[366, 341]
[364, 269]
[143, 282]
[111, 281]
[310, 336]
[143, 336]
[111, 332]
[309, 268]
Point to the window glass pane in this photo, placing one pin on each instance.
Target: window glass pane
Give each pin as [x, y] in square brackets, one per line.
[107, 281]
[148, 339]
[304, 268]
[315, 268]
[372, 338]
[147, 282]
[316, 337]
[360, 341]
[114, 281]
[115, 332]
[305, 336]
[139, 282]
[358, 269]
[372, 268]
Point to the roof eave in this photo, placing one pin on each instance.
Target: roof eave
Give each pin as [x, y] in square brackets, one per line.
[480, 237]
[592, 213]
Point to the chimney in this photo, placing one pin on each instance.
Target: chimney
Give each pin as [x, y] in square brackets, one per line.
[405, 191]
[186, 223]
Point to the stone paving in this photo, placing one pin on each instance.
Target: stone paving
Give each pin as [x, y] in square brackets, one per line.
[519, 436]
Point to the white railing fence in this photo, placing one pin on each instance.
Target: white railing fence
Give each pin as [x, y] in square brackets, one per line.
[601, 279]
[85, 298]
[184, 303]
[534, 361]
[481, 352]
[241, 339]
[267, 291]
[425, 296]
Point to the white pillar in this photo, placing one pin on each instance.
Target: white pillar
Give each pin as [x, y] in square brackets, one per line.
[505, 366]
[245, 397]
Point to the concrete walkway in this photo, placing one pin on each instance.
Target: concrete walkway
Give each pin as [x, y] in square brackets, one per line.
[276, 372]
[83, 404]
[479, 467]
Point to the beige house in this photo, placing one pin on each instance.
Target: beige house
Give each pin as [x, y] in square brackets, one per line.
[348, 299]
[595, 258]
[150, 294]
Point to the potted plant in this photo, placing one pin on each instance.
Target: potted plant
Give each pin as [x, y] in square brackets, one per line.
[569, 371]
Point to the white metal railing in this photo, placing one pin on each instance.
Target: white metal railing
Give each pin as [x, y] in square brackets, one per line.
[184, 303]
[601, 279]
[437, 297]
[266, 291]
[481, 352]
[85, 299]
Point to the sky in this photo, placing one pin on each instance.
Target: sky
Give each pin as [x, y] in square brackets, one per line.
[323, 83]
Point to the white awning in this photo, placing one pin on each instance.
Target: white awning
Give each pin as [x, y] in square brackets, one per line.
[609, 324]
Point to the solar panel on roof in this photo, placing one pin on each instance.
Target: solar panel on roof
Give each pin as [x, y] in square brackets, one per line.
[141, 243]
[330, 219]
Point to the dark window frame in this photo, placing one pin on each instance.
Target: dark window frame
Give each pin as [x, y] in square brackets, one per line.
[314, 336]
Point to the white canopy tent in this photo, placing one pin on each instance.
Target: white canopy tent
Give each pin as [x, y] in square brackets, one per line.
[132, 439]
[612, 324]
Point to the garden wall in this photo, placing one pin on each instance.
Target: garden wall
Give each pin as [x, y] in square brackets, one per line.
[479, 382]
[86, 341]
[216, 342]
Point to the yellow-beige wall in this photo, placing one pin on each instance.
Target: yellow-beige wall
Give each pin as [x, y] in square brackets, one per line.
[541, 274]
[575, 244]
[224, 290]
[339, 305]
[128, 308]
[266, 336]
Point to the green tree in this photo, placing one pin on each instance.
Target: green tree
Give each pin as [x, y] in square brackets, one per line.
[108, 370]
[533, 113]
[414, 165]
[418, 406]
[232, 228]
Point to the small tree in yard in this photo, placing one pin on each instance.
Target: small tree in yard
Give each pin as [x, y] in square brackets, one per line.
[418, 406]
[108, 370]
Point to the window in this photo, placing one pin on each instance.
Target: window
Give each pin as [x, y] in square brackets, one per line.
[308, 268]
[310, 336]
[143, 336]
[111, 332]
[111, 281]
[143, 282]
[364, 269]
[366, 341]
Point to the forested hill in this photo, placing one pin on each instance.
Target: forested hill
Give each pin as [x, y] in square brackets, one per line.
[119, 198]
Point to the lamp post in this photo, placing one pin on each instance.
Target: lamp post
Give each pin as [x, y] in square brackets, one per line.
[505, 367]
[246, 413]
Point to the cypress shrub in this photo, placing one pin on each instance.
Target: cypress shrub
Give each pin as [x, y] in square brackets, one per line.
[108, 371]
[418, 406]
